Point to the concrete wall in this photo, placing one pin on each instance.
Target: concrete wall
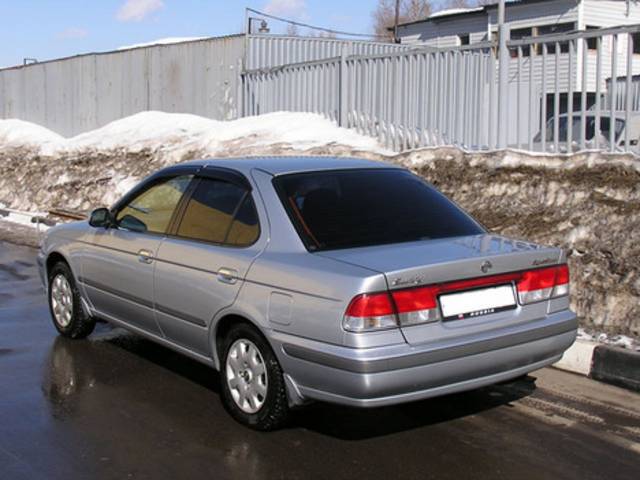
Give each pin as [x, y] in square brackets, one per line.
[76, 94]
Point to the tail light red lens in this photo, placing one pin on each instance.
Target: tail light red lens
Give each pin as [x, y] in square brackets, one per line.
[367, 312]
[418, 305]
[421, 298]
[543, 284]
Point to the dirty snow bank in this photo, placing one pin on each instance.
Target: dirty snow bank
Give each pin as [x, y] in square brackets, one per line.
[622, 341]
[95, 168]
[587, 203]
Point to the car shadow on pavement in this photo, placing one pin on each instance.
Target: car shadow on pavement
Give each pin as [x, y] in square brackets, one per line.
[115, 357]
[348, 423]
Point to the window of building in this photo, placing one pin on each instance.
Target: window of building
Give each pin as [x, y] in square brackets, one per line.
[463, 40]
[518, 34]
[555, 29]
[636, 42]
[592, 43]
[220, 212]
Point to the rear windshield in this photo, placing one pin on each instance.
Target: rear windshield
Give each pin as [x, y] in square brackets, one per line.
[356, 208]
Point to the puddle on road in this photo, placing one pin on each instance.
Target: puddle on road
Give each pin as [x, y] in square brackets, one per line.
[19, 280]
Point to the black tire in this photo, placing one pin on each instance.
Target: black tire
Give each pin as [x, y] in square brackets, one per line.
[274, 412]
[80, 325]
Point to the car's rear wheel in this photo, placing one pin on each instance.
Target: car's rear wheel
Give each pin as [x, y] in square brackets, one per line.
[252, 385]
[67, 313]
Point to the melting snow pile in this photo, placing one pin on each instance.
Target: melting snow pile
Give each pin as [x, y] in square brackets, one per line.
[94, 168]
[174, 134]
[587, 203]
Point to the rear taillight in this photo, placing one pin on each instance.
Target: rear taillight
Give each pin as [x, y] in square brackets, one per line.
[543, 284]
[378, 311]
[413, 306]
[416, 305]
[367, 312]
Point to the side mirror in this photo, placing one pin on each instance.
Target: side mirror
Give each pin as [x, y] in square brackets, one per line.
[100, 217]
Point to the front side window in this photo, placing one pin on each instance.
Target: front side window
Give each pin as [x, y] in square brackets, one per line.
[151, 211]
[356, 208]
[220, 212]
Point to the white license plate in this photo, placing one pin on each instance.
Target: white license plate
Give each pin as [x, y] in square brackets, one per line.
[478, 302]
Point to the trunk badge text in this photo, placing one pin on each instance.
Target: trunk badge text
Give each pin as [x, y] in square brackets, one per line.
[543, 261]
[409, 281]
[486, 266]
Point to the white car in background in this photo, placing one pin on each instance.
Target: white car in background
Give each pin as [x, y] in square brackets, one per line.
[591, 132]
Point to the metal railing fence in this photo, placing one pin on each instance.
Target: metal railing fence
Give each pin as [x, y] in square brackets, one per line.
[406, 99]
[427, 97]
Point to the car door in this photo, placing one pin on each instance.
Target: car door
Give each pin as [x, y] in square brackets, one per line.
[118, 263]
[201, 265]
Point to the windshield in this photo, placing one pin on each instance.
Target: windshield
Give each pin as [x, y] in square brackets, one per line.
[356, 208]
[590, 128]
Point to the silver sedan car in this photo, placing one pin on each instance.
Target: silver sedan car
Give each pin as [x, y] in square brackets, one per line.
[312, 278]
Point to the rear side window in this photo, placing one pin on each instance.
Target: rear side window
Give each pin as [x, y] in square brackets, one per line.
[356, 208]
[220, 212]
[244, 229]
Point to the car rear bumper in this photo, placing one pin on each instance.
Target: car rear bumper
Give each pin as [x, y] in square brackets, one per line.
[401, 373]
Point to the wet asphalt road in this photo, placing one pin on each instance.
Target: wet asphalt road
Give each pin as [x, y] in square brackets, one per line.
[118, 406]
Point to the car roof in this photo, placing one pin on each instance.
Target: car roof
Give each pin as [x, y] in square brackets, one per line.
[281, 165]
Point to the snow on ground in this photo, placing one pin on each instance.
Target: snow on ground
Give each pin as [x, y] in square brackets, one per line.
[177, 134]
[161, 41]
[11, 217]
[622, 341]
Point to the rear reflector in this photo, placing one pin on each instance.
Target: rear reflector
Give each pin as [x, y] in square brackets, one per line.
[413, 306]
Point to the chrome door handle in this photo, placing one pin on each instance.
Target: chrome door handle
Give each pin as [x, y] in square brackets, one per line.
[145, 256]
[227, 275]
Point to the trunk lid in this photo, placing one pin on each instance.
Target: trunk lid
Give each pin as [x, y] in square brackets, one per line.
[435, 261]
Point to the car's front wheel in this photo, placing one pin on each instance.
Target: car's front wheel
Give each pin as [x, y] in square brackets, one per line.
[67, 313]
[252, 384]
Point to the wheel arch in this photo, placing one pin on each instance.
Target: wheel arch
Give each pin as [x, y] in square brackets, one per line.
[222, 326]
[53, 258]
